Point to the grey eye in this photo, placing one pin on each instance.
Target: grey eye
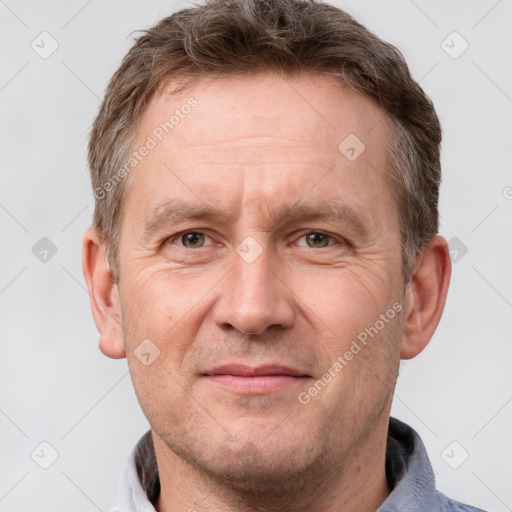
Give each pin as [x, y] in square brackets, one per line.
[317, 240]
[193, 240]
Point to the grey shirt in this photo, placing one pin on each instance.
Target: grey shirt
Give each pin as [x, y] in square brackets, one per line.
[408, 471]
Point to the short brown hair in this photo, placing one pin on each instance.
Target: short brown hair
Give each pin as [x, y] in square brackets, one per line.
[224, 38]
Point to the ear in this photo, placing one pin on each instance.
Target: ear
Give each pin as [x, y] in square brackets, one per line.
[426, 297]
[103, 294]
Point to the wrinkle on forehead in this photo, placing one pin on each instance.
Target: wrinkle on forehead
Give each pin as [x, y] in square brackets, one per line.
[252, 136]
[268, 105]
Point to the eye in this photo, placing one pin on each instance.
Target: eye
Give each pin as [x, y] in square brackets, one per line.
[317, 240]
[192, 239]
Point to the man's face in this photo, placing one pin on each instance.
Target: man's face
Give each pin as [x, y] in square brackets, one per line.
[251, 243]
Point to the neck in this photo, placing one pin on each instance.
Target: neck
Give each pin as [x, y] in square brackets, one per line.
[357, 483]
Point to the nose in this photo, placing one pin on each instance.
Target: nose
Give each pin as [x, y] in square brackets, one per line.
[254, 298]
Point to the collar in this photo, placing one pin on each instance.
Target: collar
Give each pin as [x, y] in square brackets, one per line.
[408, 471]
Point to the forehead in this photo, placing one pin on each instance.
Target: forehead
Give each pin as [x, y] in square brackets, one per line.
[258, 134]
[316, 110]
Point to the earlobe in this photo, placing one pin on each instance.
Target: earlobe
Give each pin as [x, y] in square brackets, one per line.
[103, 294]
[426, 297]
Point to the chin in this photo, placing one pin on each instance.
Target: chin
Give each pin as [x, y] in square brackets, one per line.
[255, 462]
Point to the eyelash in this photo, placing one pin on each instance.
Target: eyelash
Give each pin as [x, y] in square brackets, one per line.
[179, 236]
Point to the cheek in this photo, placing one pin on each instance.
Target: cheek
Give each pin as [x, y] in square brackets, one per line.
[167, 307]
[160, 393]
[156, 302]
[148, 311]
[155, 308]
[345, 301]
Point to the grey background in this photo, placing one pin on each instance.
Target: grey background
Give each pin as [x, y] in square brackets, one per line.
[56, 386]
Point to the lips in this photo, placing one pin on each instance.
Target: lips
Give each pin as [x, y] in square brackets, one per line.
[255, 371]
[257, 380]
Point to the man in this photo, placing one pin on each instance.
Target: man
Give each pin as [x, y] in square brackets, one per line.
[264, 252]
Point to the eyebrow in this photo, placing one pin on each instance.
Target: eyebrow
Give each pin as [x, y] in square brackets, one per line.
[178, 210]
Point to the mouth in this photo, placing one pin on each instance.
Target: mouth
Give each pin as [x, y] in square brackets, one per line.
[257, 380]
